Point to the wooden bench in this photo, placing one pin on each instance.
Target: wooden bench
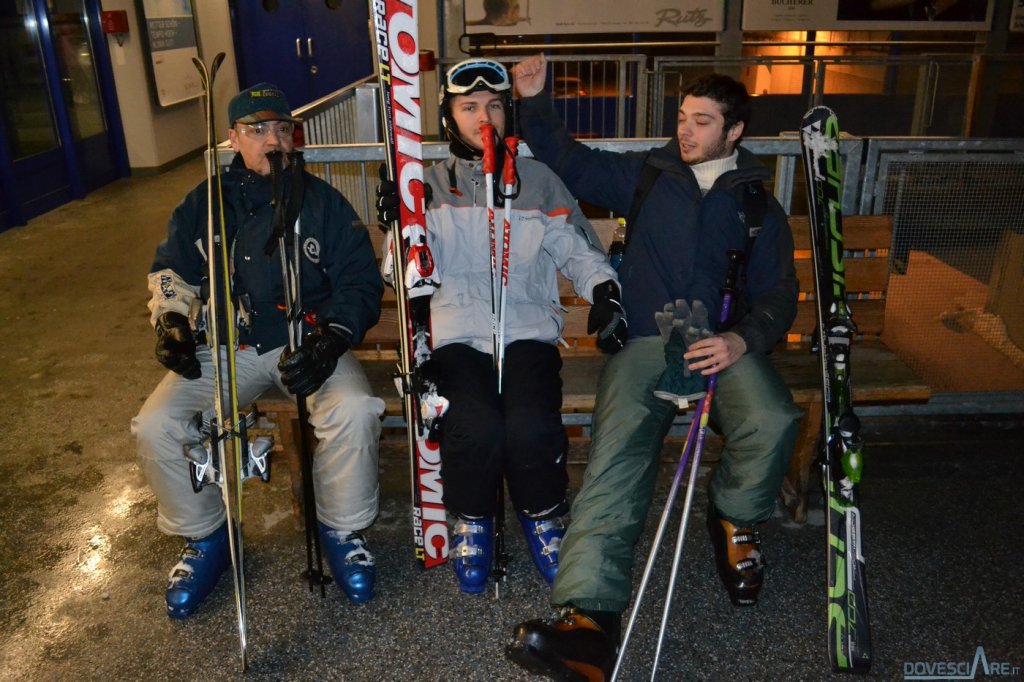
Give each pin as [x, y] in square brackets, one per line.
[878, 375]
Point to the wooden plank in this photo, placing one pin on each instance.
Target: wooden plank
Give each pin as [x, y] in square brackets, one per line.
[860, 232]
[879, 377]
[862, 274]
[868, 315]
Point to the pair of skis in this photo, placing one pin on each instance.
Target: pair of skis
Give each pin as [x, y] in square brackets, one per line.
[227, 458]
[396, 55]
[841, 445]
[499, 263]
[396, 40]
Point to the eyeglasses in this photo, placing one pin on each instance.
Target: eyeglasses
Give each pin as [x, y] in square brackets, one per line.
[466, 76]
[261, 130]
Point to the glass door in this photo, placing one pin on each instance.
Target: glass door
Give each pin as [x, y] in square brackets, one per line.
[80, 91]
[40, 177]
[55, 140]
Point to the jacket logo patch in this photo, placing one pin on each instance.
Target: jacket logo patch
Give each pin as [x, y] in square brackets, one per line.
[311, 248]
[167, 287]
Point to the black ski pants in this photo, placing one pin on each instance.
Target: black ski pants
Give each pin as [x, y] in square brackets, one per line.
[517, 434]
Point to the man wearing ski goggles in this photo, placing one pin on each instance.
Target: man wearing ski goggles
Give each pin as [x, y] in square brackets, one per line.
[503, 421]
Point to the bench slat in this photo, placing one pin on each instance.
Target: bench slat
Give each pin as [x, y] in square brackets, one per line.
[862, 274]
[880, 377]
[869, 314]
[860, 232]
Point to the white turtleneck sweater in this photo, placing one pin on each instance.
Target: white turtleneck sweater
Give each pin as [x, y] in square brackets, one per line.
[708, 171]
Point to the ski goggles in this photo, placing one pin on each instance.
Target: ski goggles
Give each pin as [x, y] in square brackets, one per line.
[471, 74]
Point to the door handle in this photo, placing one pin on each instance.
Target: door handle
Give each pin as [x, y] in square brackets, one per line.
[309, 47]
[298, 48]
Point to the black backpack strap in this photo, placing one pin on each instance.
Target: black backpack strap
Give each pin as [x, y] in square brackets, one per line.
[648, 176]
[755, 208]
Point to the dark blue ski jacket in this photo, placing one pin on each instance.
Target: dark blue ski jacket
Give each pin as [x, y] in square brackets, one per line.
[678, 242]
[340, 279]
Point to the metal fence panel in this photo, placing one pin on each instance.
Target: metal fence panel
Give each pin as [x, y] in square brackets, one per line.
[956, 208]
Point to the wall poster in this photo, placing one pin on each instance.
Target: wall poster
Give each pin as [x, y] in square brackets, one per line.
[170, 38]
[867, 15]
[548, 17]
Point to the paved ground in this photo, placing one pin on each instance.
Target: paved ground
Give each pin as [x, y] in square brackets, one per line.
[82, 567]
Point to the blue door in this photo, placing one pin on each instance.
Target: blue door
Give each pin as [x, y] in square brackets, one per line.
[308, 48]
[60, 134]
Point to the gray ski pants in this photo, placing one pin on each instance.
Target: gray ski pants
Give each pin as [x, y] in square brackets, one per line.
[345, 416]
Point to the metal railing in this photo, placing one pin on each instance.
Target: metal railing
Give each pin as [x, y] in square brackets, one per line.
[345, 116]
[598, 96]
[955, 205]
[891, 95]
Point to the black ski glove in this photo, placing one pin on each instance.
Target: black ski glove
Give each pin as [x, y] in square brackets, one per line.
[388, 200]
[305, 370]
[607, 318]
[176, 346]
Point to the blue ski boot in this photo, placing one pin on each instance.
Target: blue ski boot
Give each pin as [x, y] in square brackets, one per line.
[472, 553]
[197, 571]
[544, 538]
[351, 563]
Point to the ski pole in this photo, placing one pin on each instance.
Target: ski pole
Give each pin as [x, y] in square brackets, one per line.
[489, 166]
[292, 216]
[658, 535]
[285, 213]
[499, 567]
[700, 423]
[508, 175]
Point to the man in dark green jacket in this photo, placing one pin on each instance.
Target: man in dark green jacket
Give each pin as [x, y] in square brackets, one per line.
[692, 214]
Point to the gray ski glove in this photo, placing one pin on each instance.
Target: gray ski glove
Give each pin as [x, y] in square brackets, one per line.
[680, 327]
[176, 345]
[305, 370]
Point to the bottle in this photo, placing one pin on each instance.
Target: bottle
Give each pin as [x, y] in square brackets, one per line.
[618, 245]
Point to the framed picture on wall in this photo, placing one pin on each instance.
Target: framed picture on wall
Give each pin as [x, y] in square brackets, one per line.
[169, 37]
[522, 17]
[867, 15]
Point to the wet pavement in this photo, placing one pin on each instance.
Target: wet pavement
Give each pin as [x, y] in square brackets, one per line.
[83, 568]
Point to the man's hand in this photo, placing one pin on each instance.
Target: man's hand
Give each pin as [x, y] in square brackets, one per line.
[306, 369]
[607, 318]
[529, 75]
[716, 353]
[388, 201]
[176, 346]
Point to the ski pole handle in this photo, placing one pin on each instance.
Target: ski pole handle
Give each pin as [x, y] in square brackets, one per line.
[508, 171]
[489, 161]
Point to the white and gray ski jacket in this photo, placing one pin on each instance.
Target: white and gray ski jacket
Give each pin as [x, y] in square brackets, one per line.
[548, 234]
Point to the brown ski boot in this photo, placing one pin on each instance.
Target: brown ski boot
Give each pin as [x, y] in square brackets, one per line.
[738, 556]
[573, 647]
